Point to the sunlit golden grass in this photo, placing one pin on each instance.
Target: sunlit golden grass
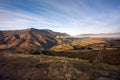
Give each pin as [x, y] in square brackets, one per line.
[88, 41]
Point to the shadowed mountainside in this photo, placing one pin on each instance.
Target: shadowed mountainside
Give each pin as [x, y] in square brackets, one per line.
[30, 39]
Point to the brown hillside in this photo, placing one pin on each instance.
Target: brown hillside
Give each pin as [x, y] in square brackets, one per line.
[89, 41]
[30, 39]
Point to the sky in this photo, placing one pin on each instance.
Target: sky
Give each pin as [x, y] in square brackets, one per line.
[70, 16]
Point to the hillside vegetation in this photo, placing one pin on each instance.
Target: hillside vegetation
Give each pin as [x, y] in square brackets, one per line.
[42, 67]
[88, 41]
[62, 47]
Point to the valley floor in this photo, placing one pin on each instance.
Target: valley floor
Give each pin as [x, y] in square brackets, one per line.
[44, 67]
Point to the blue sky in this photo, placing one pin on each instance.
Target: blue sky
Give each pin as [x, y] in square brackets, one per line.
[70, 16]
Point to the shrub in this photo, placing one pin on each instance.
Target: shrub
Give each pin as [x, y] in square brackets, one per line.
[34, 52]
[39, 65]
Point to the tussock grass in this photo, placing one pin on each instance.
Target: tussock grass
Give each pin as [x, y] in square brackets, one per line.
[44, 67]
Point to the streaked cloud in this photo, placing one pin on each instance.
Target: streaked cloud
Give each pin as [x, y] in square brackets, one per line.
[71, 16]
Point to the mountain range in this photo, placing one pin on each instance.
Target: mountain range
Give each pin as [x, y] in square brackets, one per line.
[43, 39]
[30, 39]
[101, 35]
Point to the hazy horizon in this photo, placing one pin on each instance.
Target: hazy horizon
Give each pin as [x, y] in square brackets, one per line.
[70, 16]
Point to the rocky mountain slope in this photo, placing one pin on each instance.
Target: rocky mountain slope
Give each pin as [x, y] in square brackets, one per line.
[29, 39]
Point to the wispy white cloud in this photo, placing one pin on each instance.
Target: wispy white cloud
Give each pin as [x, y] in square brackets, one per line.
[19, 18]
[82, 16]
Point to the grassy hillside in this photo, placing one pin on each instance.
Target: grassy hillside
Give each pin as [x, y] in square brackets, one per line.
[109, 56]
[62, 47]
[88, 41]
[43, 67]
